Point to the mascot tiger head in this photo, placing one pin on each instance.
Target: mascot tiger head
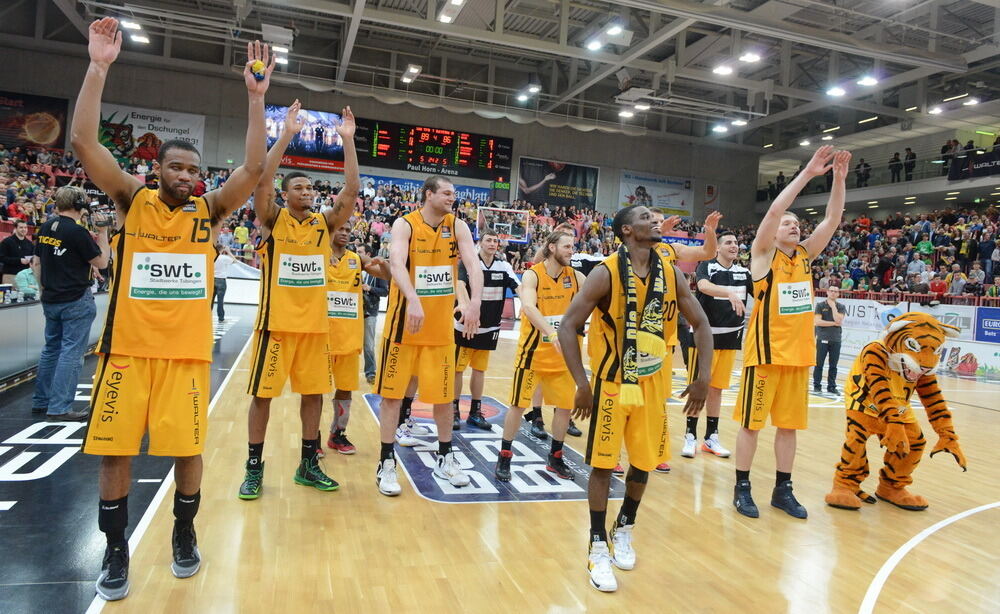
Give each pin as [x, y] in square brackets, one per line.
[914, 340]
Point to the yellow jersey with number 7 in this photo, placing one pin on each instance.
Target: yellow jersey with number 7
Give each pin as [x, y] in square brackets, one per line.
[780, 331]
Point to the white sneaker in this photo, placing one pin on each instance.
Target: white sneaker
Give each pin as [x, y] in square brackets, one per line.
[416, 428]
[448, 469]
[621, 543]
[602, 575]
[690, 445]
[405, 438]
[712, 445]
[385, 477]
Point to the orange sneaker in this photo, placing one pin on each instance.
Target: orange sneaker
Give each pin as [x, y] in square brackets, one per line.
[662, 468]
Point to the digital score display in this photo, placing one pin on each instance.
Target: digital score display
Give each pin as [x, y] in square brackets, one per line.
[433, 150]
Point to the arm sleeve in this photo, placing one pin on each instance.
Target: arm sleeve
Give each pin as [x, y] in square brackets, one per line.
[84, 244]
[841, 308]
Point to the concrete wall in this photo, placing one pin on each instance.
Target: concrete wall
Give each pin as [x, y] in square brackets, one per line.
[222, 99]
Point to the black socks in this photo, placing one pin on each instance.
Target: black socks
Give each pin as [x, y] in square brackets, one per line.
[598, 526]
[713, 426]
[386, 452]
[256, 451]
[477, 407]
[627, 514]
[185, 508]
[404, 410]
[692, 425]
[505, 444]
[742, 475]
[444, 447]
[556, 446]
[309, 447]
[781, 476]
[112, 519]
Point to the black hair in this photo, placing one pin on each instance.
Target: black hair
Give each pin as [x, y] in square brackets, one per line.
[292, 175]
[624, 217]
[175, 144]
[724, 233]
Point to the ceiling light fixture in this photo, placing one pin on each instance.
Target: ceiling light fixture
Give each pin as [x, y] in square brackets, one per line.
[280, 59]
[445, 18]
[768, 145]
[828, 137]
[594, 45]
[739, 122]
[626, 113]
[935, 111]
[873, 202]
[873, 206]
[834, 129]
[719, 128]
[723, 69]
[970, 102]
[955, 97]
[522, 97]
[952, 193]
[804, 143]
[836, 91]
[870, 119]
[952, 198]
[912, 108]
[614, 29]
[458, 2]
[868, 81]
[139, 38]
[983, 132]
[749, 57]
[278, 49]
[130, 25]
[534, 88]
[642, 106]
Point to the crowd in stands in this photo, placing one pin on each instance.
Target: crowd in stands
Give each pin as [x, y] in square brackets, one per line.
[943, 253]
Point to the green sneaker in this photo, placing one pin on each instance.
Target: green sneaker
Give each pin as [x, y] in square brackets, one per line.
[310, 474]
[253, 481]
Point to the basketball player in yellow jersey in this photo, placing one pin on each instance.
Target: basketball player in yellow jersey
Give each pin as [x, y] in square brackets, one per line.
[546, 291]
[418, 338]
[631, 295]
[291, 334]
[344, 307]
[779, 346]
[156, 347]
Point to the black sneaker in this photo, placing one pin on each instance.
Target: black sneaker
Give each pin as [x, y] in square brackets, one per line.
[456, 424]
[572, 430]
[309, 473]
[743, 501]
[502, 471]
[558, 466]
[187, 559]
[538, 429]
[70, 416]
[783, 499]
[112, 584]
[253, 482]
[477, 420]
[817, 389]
[833, 390]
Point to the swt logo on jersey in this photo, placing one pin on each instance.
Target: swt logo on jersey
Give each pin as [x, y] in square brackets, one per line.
[477, 451]
[301, 271]
[160, 276]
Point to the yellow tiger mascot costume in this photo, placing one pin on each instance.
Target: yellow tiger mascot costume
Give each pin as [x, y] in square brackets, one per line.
[877, 396]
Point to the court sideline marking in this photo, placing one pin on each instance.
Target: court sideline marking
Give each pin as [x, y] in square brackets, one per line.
[97, 605]
[871, 596]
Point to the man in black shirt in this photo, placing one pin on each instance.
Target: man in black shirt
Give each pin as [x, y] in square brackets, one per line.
[722, 290]
[66, 252]
[498, 277]
[16, 252]
[829, 321]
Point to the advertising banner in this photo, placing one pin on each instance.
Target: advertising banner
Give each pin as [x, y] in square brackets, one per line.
[134, 132]
[462, 192]
[988, 324]
[711, 196]
[510, 224]
[973, 164]
[671, 195]
[557, 183]
[32, 121]
[316, 146]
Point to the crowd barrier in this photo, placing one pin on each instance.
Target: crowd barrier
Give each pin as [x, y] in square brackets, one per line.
[920, 299]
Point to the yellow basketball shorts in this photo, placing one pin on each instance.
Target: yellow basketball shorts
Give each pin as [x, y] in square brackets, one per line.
[558, 388]
[278, 356]
[643, 429]
[722, 367]
[169, 397]
[479, 359]
[773, 390]
[345, 371]
[433, 366]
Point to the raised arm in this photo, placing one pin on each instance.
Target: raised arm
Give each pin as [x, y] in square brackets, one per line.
[264, 204]
[597, 287]
[235, 191]
[105, 42]
[821, 236]
[467, 251]
[690, 253]
[697, 391]
[763, 242]
[343, 206]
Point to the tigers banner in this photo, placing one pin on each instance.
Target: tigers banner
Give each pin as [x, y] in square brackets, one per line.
[134, 132]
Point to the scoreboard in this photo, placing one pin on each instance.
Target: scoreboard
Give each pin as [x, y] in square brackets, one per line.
[433, 150]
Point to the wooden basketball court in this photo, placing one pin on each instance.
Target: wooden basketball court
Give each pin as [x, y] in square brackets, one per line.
[300, 550]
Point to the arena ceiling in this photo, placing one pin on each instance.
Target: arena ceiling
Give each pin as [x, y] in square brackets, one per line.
[484, 60]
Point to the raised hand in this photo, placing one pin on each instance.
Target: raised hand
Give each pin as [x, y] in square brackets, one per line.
[820, 162]
[347, 126]
[293, 122]
[667, 225]
[711, 222]
[257, 50]
[105, 41]
[841, 165]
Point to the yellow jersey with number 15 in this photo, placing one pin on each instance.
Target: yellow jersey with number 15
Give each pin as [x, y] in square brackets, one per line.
[780, 331]
[163, 281]
[345, 305]
[293, 275]
[432, 264]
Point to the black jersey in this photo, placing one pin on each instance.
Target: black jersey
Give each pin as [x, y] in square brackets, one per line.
[727, 327]
[497, 279]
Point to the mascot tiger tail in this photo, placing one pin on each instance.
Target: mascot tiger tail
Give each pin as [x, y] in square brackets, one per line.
[883, 378]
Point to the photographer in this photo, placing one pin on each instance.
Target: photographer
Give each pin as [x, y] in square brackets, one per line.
[65, 254]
